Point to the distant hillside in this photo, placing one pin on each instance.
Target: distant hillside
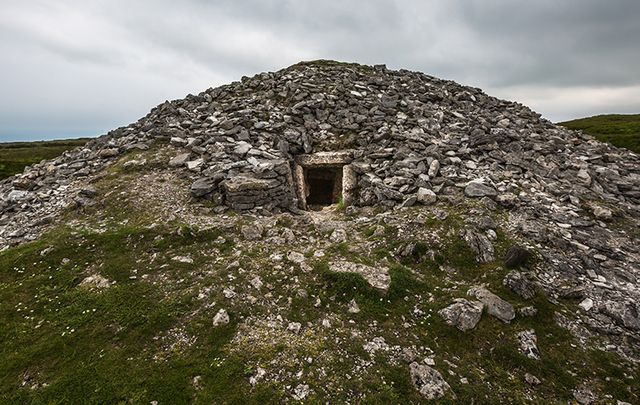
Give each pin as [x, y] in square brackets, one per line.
[15, 156]
[619, 130]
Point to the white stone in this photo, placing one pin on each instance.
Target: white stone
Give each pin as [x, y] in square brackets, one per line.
[426, 196]
[586, 304]
[221, 318]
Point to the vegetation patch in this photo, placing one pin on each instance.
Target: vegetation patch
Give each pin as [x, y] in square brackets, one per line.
[620, 130]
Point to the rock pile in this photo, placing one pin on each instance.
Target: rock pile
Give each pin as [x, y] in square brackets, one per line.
[406, 138]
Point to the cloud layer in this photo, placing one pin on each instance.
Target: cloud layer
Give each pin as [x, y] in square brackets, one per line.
[74, 68]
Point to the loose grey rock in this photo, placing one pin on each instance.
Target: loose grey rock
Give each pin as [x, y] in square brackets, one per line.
[479, 189]
[204, 186]
[494, 305]
[377, 276]
[434, 168]
[532, 379]
[95, 282]
[295, 257]
[602, 213]
[301, 392]
[586, 304]
[529, 344]
[428, 381]
[180, 160]
[338, 236]
[221, 318]
[353, 307]
[519, 284]
[462, 314]
[625, 314]
[426, 196]
[584, 395]
[252, 231]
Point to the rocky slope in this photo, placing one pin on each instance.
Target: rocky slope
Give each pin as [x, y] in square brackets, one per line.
[488, 254]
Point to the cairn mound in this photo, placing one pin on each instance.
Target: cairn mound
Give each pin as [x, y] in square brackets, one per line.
[542, 211]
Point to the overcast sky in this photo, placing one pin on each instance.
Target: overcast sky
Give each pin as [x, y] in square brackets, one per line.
[79, 68]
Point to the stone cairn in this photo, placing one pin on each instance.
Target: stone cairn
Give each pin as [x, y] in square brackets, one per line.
[411, 139]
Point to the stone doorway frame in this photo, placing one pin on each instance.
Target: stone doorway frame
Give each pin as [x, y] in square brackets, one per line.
[319, 160]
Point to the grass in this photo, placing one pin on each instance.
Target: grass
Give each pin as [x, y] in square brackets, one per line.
[15, 156]
[100, 347]
[619, 130]
[123, 344]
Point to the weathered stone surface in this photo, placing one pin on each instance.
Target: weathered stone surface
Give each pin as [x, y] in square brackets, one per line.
[180, 160]
[204, 186]
[493, 304]
[481, 245]
[560, 189]
[378, 277]
[95, 282]
[532, 379]
[434, 168]
[221, 318]
[626, 314]
[519, 284]
[528, 342]
[428, 381]
[462, 314]
[479, 189]
[252, 231]
[426, 196]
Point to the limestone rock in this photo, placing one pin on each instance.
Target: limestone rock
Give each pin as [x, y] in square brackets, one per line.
[95, 282]
[378, 277]
[625, 314]
[493, 304]
[479, 189]
[462, 314]
[180, 159]
[252, 231]
[204, 186]
[532, 379]
[519, 284]
[338, 236]
[428, 381]
[221, 318]
[481, 245]
[426, 196]
[529, 344]
[434, 168]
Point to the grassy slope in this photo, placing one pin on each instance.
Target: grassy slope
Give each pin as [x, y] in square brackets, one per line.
[117, 345]
[15, 156]
[619, 130]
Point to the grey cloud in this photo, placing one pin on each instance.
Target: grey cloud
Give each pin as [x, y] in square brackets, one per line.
[90, 66]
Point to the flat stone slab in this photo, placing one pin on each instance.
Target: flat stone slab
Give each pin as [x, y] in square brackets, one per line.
[493, 304]
[378, 277]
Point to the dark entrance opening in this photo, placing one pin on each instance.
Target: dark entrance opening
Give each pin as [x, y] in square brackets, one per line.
[324, 185]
